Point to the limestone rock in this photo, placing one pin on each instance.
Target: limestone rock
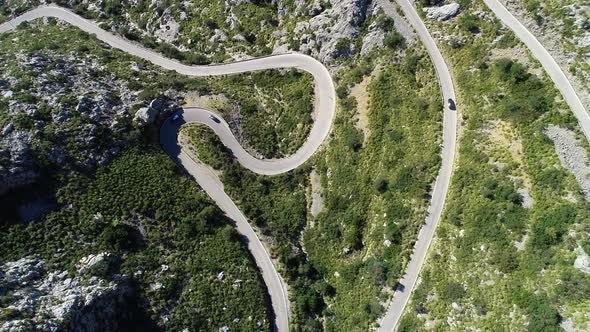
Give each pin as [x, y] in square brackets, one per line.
[572, 155]
[55, 301]
[373, 39]
[218, 36]
[94, 261]
[145, 115]
[167, 27]
[333, 29]
[7, 129]
[582, 261]
[442, 13]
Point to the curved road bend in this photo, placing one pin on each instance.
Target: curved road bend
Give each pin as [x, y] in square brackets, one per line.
[323, 114]
[324, 87]
[549, 64]
[441, 186]
[210, 182]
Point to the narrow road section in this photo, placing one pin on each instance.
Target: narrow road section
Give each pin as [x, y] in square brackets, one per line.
[443, 179]
[323, 115]
[549, 64]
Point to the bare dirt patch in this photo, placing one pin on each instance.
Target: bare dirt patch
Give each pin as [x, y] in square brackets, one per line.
[218, 102]
[317, 199]
[505, 145]
[361, 94]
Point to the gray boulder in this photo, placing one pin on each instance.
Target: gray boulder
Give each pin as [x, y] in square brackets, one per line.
[442, 13]
[158, 104]
[165, 28]
[7, 129]
[582, 261]
[373, 39]
[145, 115]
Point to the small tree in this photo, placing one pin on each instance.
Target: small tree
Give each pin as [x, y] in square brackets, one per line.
[394, 41]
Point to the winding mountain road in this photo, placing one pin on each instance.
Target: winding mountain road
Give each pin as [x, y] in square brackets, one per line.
[402, 294]
[547, 61]
[323, 115]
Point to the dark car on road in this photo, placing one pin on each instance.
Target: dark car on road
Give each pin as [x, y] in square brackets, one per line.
[214, 118]
[452, 105]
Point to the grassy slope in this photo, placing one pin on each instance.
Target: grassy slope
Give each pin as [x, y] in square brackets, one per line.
[474, 262]
[379, 194]
[276, 112]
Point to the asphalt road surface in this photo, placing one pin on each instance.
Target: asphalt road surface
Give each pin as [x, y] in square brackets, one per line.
[549, 64]
[323, 115]
[439, 193]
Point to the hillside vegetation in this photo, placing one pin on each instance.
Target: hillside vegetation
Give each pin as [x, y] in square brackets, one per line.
[515, 220]
[376, 201]
[140, 206]
[166, 235]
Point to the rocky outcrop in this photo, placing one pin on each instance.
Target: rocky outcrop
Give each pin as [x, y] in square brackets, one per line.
[37, 300]
[145, 115]
[572, 155]
[69, 115]
[329, 34]
[373, 39]
[16, 160]
[165, 27]
[442, 13]
[582, 261]
[159, 107]
[92, 263]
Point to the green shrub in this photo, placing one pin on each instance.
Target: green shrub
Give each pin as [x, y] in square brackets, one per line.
[394, 40]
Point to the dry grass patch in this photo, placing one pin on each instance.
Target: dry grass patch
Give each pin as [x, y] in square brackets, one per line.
[361, 94]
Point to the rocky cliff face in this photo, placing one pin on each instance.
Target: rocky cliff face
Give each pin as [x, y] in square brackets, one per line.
[330, 32]
[58, 111]
[37, 300]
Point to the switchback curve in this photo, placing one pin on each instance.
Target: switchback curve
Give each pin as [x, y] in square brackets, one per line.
[323, 115]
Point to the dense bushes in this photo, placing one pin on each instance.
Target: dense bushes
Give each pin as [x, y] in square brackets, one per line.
[207, 146]
[142, 209]
[528, 97]
[394, 40]
[403, 168]
[375, 182]
[277, 206]
[550, 226]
